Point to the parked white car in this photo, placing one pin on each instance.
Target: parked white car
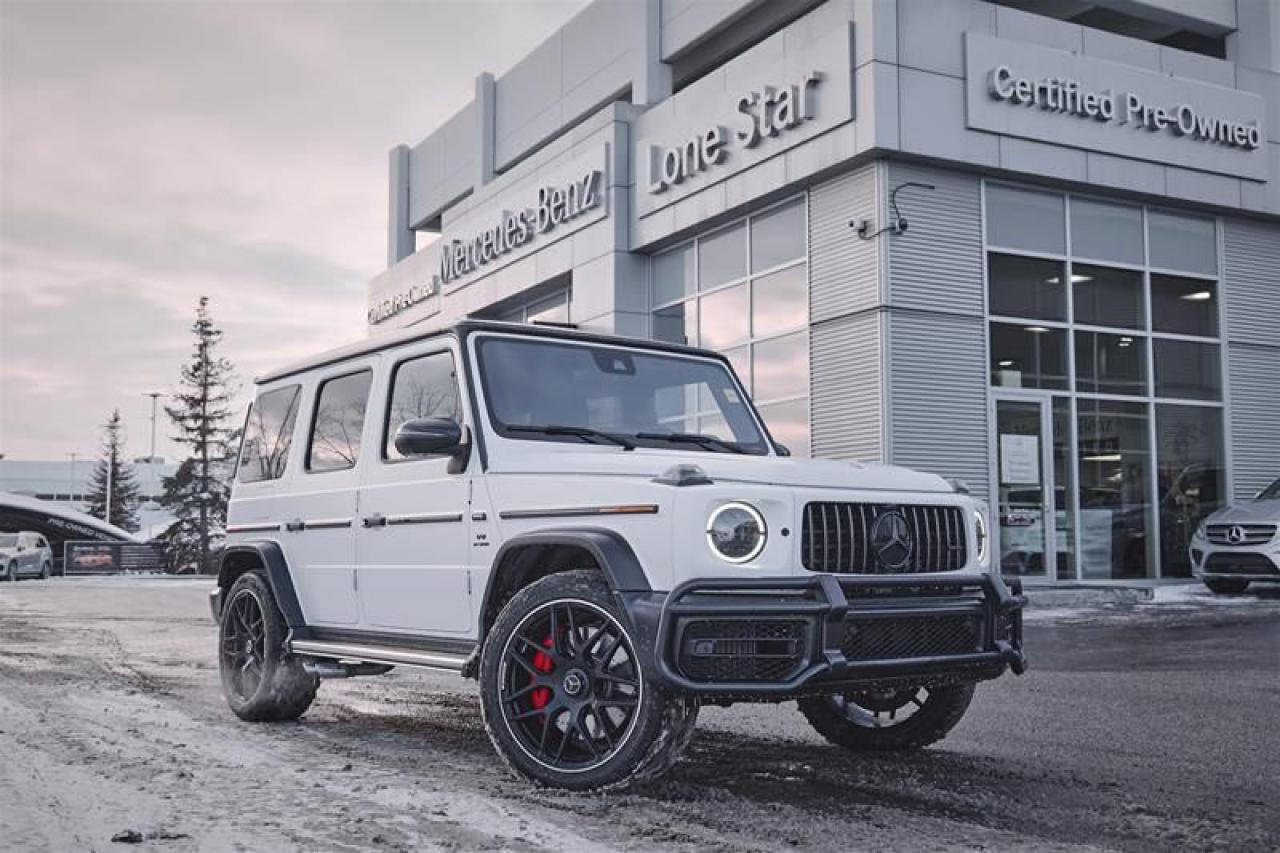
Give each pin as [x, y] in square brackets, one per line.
[1239, 544]
[24, 554]
[604, 534]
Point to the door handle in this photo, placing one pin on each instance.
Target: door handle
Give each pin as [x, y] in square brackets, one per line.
[295, 526]
[375, 520]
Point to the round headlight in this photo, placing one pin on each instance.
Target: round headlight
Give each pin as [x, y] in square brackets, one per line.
[737, 532]
[980, 531]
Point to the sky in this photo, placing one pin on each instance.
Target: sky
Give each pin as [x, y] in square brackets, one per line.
[152, 153]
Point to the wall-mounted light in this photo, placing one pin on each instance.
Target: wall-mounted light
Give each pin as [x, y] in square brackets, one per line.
[897, 222]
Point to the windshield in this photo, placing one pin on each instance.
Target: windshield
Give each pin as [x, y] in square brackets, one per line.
[8, 540]
[1270, 492]
[547, 390]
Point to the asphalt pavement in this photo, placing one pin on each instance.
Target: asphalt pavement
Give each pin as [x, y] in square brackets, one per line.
[1138, 727]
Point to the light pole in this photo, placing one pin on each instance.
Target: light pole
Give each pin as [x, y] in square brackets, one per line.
[151, 458]
[71, 479]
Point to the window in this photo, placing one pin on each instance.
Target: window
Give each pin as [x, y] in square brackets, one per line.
[268, 433]
[532, 384]
[1025, 219]
[424, 387]
[339, 422]
[1186, 306]
[1026, 287]
[1091, 301]
[1028, 356]
[1107, 297]
[1110, 364]
[544, 309]
[743, 290]
[1187, 369]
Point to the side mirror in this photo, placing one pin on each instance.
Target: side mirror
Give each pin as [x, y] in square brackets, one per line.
[782, 449]
[428, 437]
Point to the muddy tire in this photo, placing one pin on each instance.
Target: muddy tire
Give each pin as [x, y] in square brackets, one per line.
[260, 680]
[1226, 586]
[889, 721]
[570, 700]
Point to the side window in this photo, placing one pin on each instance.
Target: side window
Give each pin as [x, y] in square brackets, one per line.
[268, 434]
[424, 387]
[339, 421]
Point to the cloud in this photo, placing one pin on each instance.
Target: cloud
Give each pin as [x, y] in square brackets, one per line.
[153, 153]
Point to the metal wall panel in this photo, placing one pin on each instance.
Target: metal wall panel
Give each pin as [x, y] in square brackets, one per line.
[1254, 419]
[937, 264]
[937, 382]
[1251, 278]
[843, 268]
[845, 409]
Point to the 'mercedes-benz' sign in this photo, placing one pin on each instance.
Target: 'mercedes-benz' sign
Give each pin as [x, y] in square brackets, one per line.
[553, 206]
[1066, 98]
[1064, 95]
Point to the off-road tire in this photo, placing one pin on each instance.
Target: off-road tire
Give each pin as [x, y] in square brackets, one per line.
[283, 690]
[929, 724]
[11, 573]
[45, 571]
[657, 734]
[1226, 586]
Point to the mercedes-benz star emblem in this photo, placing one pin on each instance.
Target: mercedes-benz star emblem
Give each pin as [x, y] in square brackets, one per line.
[574, 681]
[1235, 535]
[891, 539]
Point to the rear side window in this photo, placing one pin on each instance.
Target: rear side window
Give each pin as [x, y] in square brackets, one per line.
[425, 387]
[339, 421]
[268, 434]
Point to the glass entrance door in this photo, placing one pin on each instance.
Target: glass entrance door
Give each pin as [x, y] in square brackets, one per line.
[1025, 489]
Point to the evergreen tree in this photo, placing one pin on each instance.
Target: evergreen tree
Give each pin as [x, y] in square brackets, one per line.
[114, 476]
[197, 492]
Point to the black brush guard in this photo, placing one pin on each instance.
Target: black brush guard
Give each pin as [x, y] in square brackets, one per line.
[795, 633]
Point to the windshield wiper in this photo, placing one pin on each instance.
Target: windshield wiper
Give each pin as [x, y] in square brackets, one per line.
[579, 431]
[692, 438]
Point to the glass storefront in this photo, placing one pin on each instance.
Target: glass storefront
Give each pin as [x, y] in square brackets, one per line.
[743, 290]
[1106, 383]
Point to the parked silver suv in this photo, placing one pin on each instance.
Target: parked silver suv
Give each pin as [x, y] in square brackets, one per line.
[1239, 544]
[24, 553]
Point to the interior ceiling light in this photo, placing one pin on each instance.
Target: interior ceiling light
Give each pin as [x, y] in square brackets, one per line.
[1198, 296]
[1103, 457]
[1037, 329]
[1075, 279]
[1006, 364]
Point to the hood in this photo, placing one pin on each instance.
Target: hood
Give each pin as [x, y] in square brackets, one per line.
[552, 458]
[1245, 512]
[8, 552]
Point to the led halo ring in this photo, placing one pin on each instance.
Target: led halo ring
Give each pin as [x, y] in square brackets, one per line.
[760, 523]
[984, 535]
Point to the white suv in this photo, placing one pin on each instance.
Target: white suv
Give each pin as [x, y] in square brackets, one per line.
[604, 534]
[1239, 543]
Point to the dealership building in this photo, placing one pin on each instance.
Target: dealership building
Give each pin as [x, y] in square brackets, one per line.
[1034, 246]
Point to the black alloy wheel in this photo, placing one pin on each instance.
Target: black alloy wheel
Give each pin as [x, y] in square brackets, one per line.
[261, 680]
[244, 644]
[570, 686]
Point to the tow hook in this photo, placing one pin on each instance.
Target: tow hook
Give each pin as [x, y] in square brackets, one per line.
[1014, 657]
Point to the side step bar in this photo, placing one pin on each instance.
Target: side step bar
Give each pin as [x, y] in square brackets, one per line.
[378, 654]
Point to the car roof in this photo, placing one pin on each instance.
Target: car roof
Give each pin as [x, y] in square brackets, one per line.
[461, 330]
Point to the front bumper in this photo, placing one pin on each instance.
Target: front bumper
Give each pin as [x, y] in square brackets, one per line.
[761, 638]
[1221, 562]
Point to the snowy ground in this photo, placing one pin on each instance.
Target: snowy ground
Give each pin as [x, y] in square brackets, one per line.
[1152, 726]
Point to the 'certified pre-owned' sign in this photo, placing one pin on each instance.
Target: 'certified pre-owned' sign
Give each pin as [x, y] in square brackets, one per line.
[1070, 99]
[1063, 95]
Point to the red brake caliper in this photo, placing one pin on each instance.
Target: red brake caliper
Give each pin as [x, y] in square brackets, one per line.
[542, 662]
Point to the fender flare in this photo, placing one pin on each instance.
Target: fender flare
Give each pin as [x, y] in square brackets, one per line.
[270, 555]
[608, 548]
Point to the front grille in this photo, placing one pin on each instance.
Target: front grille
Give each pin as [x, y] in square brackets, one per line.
[841, 537]
[916, 637]
[1240, 564]
[1250, 534]
[724, 650]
